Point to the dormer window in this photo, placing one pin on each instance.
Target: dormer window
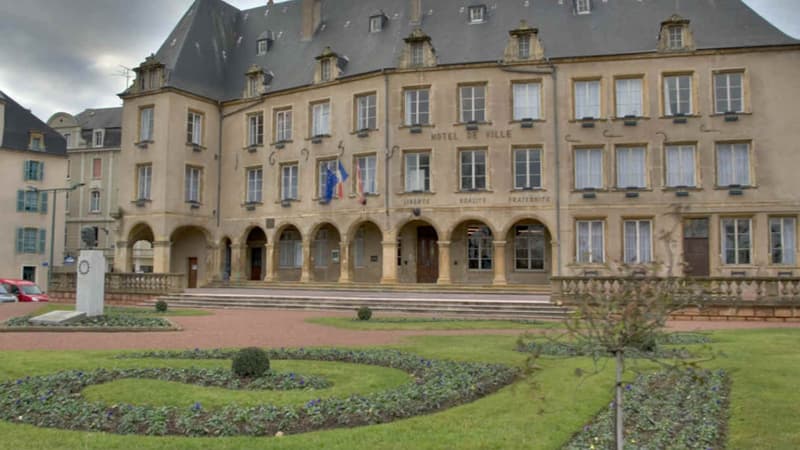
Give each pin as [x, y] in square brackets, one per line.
[376, 23]
[675, 37]
[255, 81]
[36, 142]
[330, 66]
[264, 43]
[263, 46]
[417, 54]
[325, 70]
[97, 138]
[583, 6]
[252, 86]
[150, 74]
[524, 47]
[523, 44]
[477, 14]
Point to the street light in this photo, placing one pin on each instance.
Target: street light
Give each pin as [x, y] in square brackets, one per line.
[55, 192]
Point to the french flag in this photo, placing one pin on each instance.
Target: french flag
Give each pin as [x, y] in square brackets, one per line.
[341, 177]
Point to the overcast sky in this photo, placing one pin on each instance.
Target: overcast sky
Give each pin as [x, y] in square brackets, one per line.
[65, 55]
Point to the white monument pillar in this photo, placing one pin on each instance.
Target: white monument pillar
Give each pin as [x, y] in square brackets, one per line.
[91, 282]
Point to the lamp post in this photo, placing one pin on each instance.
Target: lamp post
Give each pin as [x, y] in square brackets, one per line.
[55, 192]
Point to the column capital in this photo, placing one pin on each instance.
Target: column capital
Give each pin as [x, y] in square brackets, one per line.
[443, 243]
[499, 243]
[161, 244]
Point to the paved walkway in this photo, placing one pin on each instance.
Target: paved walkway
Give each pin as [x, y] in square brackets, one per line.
[266, 328]
[377, 295]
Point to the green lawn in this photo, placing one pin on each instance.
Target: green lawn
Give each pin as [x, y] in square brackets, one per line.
[542, 415]
[127, 310]
[423, 323]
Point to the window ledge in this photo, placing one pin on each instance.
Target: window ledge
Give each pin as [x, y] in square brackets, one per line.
[465, 124]
[319, 138]
[677, 116]
[365, 132]
[622, 119]
[407, 127]
[681, 188]
[733, 113]
[632, 189]
[368, 194]
[288, 200]
[409, 193]
[194, 205]
[518, 121]
[281, 144]
[728, 188]
[144, 144]
[586, 191]
[141, 202]
[524, 190]
[253, 148]
[474, 191]
[195, 147]
[588, 120]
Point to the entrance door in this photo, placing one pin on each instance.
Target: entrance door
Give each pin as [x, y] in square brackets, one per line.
[695, 248]
[427, 255]
[255, 264]
[192, 273]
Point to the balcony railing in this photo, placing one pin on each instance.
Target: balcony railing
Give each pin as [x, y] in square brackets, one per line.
[124, 283]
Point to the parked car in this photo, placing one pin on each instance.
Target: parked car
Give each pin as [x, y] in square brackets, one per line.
[26, 291]
[5, 296]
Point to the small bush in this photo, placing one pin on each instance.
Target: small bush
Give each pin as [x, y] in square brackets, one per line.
[364, 313]
[250, 362]
[161, 306]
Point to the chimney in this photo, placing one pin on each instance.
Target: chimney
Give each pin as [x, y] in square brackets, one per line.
[312, 16]
[416, 11]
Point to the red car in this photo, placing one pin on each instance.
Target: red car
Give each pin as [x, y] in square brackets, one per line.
[26, 291]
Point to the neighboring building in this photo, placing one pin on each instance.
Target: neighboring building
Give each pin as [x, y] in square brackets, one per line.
[33, 159]
[491, 143]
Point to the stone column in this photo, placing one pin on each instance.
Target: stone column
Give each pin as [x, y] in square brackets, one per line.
[123, 257]
[305, 272]
[444, 262]
[499, 261]
[389, 273]
[344, 262]
[161, 256]
[269, 262]
[238, 253]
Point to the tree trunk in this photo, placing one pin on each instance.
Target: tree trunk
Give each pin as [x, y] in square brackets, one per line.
[620, 438]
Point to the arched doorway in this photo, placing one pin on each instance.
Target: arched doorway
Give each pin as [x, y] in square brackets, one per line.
[254, 254]
[140, 246]
[325, 254]
[529, 253]
[290, 254]
[418, 253]
[189, 255]
[472, 253]
[365, 253]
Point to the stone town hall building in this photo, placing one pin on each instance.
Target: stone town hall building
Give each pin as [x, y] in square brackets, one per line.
[489, 142]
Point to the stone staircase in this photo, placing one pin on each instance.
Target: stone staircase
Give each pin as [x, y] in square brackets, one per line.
[506, 305]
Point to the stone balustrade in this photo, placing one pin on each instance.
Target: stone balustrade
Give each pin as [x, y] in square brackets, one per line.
[125, 283]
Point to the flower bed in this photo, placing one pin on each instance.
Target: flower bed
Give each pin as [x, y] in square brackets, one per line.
[558, 348]
[56, 401]
[100, 323]
[674, 409]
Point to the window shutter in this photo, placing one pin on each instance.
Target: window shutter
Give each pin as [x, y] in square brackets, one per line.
[20, 201]
[41, 171]
[26, 170]
[42, 240]
[20, 237]
[43, 202]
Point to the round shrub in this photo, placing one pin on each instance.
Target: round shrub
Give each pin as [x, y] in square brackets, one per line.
[364, 313]
[161, 306]
[250, 362]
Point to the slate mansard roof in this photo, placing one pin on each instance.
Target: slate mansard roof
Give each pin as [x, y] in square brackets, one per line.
[109, 119]
[20, 122]
[214, 43]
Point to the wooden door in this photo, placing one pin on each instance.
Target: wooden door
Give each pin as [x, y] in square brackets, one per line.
[427, 255]
[696, 248]
[255, 264]
[192, 273]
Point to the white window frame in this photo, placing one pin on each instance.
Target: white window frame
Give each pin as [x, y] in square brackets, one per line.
[594, 177]
[739, 157]
[642, 251]
[532, 158]
[587, 103]
[146, 122]
[477, 14]
[583, 7]
[255, 185]
[255, 129]
[94, 202]
[629, 93]
[524, 46]
[417, 175]
[738, 259]
[417, 54]
[590, 256]
[98, 137]
[675, 37]
[527, 99]
[470, 165]
[525, 242]
[685, 174]
[633, 177]
[289, 181]
[283, 125]
[479, 248]
[786, 237]
[320, 119]
[472, 103]
[367, 164]
[325, 69]
[263, 46]
[722, 82]
[144, 179]
[194, 128]
[681, 94]
[367, 112]
[417, 108]
[193, 180]
[376, 24]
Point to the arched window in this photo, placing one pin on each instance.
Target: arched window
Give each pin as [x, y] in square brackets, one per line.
[479, 247]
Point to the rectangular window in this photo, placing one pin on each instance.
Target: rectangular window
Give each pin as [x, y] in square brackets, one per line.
[527, 100]
[590, 249]
[629, 97]
[375, 24]
[782, 240]
[289, 182]
[524, 47]
[31, 240]
[680, 161]
[638, 242]
[36, 143]
[479, 248]
[322, 176]
[631, 167]
[587, 99]
[255, 184]
[144, 178]
[677, 95]
[94, 202]
[194, 128]
[255, 129]
[365, 175]
[146, 117]
[97, 168]
[33, 171]
[68, 140]
[589, 168]
[366, 112]
[417, 107]
[477, 14]
[263, 46]
[31, 201]
[321, 249]
[529, 245]
[736, 241]
[473, 103]
[193, 175]
[98, 138]
[583, 6]
[320, 119]
[527, 168]
[291, 250]
[418, 172]
[283, 125]
[325, 69]
[728, 92]
[733, 164]
[473, 170]
[675, 37]
[358, 249]
[417, 54]
[252, 86]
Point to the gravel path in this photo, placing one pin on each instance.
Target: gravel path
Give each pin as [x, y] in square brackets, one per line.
[265, 328]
